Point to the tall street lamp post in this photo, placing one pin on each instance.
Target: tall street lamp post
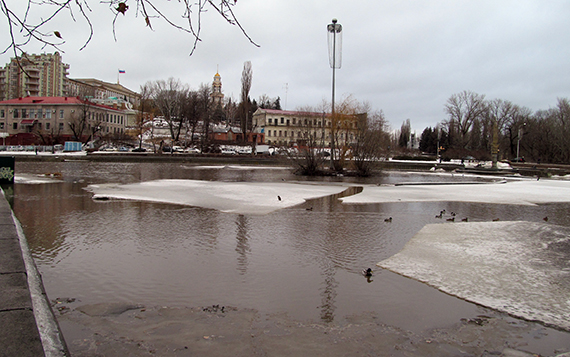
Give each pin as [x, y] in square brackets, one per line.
[335, 60]
[519, 139]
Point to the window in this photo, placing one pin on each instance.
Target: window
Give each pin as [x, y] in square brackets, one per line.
[285, 133]
[1, 113]
[288, 122]
[294, 121]
[282, 120]
[61, 114]
[268, 132]
[279, 132]
[48, 114]
[15, 126]
[47, 126]
[1, 126]
[24, 113]
[40, 114]
[16, 113]
[60, 126]
[269, 121]
[32, 113]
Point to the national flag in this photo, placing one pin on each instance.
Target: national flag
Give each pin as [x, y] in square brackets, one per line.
[121, 71]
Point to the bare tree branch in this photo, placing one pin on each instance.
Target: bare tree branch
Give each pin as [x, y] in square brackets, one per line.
[24, 28]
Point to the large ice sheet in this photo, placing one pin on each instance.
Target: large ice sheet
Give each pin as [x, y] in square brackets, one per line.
[237, 197]
[523, 192]
[521, 268]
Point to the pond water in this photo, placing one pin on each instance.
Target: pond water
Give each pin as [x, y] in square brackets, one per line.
[305, 263]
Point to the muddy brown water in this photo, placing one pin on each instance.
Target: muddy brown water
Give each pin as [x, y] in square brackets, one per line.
[296, 265]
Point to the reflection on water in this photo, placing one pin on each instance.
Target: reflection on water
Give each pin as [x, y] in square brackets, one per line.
[304, 260]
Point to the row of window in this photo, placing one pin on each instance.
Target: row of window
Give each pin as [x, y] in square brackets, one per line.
[306, 122]
[48, 126]
[277, 121]
[61, 127]
[25, 113]
[283, 133]
[31, 113]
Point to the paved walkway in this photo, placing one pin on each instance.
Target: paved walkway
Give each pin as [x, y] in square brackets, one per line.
[19, 308]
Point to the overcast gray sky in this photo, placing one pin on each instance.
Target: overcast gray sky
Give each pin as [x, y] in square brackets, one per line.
[404, 57]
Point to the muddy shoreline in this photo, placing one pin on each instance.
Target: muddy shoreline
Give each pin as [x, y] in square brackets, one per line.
[119, 329]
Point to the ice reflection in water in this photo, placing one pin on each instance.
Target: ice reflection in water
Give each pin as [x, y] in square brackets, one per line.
[305, 260]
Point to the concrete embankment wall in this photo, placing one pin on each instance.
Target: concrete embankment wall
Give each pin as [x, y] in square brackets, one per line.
[27, 324]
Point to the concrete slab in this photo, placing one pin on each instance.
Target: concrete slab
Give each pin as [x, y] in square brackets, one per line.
[7, 229]
[19, 334]
[11, 260]
[14, 293]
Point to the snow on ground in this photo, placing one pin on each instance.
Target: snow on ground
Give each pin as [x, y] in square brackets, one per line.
[236, 197]
[523, 192]
[521, 268]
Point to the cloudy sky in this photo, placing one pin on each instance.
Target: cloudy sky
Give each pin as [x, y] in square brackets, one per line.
[404, 57]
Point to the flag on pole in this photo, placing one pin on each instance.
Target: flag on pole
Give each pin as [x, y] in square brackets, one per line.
[121, 71]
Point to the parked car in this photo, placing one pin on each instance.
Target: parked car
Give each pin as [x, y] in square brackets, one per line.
[139, 150]
[192, 150]
[228, 151]
[518, 159]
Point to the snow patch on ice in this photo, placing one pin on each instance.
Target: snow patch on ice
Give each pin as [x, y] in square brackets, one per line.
[236, 197]
[237, 167]
[35, 179]
[523, 192]
[521, 268]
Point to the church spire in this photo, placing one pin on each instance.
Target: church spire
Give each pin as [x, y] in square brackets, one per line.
[217, 95]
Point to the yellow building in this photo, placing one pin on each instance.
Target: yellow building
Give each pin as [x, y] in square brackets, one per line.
[290, 128]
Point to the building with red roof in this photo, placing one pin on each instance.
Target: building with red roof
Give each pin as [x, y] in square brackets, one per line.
[53, 120]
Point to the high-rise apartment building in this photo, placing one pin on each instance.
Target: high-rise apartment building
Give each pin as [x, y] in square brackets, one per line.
[34, 75]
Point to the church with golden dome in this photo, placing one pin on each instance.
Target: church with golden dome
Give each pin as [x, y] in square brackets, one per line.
[217, 95]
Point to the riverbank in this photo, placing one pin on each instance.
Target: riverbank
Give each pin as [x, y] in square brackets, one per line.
[523, 169]
[28, 325]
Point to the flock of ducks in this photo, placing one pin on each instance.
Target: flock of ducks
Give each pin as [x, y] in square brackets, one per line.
[451, 217]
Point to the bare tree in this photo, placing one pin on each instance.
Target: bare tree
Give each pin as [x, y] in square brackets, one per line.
[372, 142]
[405, 133]
[205, 105]
[168, 97]
[145, 112]
[463, 109]
[311, 155]
[85, 122]
[191, 110]
[246, 78]
[32, 21]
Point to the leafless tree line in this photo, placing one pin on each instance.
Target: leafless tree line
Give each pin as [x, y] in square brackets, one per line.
[480, 127]
[360, 136]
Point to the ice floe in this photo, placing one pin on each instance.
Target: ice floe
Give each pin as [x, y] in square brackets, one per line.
[237, 197]
[37, 179]
[522, 192]
[521, 268]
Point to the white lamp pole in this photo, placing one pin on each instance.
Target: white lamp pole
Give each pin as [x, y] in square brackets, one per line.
[335, 60]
